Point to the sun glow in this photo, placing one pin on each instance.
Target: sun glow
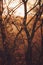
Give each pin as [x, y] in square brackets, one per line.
[12, 3]
[18, 12]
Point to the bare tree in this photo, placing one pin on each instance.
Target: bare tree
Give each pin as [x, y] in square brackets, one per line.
[28, 53]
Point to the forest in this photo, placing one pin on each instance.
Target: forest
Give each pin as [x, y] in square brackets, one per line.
[21, 32]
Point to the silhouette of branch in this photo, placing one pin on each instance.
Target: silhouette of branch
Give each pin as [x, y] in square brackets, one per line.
[36, 20]
[31, 19]
[17, 29]
[29, 38]
[22, 29]
[4, 43]
[33, 16]
[2, 25]
[38, 27]
[32, 8]
[13, 48]
[16, 7]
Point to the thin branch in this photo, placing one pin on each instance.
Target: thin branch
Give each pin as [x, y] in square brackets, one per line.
[32, 8]
[36, 20]
[13, 48]
[16, 7]
[38, 27]
[31, 19]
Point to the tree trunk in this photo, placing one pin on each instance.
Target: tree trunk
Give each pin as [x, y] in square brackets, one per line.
[28, 54]
[3, 34]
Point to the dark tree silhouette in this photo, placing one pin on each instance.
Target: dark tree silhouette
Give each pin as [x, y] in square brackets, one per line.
[28, 54]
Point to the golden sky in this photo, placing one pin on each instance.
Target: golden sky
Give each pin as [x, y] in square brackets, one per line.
[13, 3]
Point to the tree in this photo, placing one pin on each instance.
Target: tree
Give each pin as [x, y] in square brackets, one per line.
[30, 36]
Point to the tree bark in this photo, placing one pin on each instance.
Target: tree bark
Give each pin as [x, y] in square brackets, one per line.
[28, 54]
